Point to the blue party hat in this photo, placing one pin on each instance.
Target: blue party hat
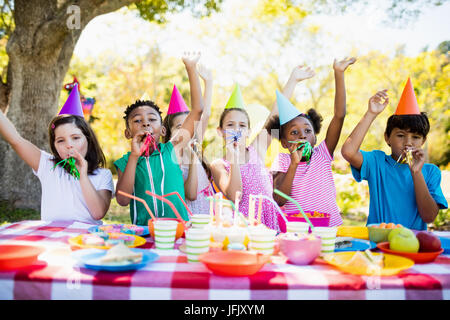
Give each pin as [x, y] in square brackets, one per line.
[286, 109]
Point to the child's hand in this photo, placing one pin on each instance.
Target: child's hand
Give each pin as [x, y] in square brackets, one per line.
[296, 155]
[80, 162]
[136, 143]
[205, 73]
[300, 73]
[190, 59]
[375, 102]
[418, 159]
[342, 65]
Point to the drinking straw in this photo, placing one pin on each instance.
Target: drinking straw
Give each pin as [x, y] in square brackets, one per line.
[181, 199]
[232, 205]
[169, 203]
[140, 200]
[275, 205]
[297, 204]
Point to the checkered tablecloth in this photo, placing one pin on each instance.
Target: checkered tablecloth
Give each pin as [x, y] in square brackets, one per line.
[56, 276]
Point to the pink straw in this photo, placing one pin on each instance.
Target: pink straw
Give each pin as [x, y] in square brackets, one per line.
[169, 203]
[179, 197]
[138, 199]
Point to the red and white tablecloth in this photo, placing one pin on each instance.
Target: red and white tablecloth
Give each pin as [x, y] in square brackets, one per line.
[56, 276]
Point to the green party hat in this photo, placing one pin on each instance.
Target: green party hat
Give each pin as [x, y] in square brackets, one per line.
[235, 100]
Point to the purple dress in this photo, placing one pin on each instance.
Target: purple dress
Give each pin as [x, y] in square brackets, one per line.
[257, 180]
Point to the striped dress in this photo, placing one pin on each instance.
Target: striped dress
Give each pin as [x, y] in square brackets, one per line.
[313, 186]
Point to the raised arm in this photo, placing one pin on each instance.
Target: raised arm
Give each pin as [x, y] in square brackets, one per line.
[207, 76]
[185, 134]
[335, 127]
[264, 138]
[27, 151]
[350, 149]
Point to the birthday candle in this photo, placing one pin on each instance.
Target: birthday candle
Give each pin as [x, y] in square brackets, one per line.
[251, 210]
[236, 207]
[259, 209]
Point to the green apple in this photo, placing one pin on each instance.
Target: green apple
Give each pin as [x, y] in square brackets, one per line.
[394, 232]
[404, 240]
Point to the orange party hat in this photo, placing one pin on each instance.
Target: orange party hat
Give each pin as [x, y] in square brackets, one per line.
[408, 102]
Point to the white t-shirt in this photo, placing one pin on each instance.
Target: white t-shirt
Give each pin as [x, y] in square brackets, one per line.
[62, 198]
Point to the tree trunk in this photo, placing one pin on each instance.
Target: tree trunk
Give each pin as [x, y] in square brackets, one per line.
[39, 50]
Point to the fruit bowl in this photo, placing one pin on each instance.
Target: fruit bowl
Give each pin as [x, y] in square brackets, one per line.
[419, 257]
[300, 251]
[379, 234]
[234, 263]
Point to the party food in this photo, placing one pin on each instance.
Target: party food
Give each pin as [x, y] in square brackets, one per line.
[120, 253]
[122, 228]
[343, 242]
[366, 259]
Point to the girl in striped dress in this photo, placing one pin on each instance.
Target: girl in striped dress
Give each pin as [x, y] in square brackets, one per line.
[309, 180]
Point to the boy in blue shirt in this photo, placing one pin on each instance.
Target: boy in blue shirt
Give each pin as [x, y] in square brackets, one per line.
[403, 188]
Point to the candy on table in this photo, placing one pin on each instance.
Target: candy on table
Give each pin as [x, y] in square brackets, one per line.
[92, 240]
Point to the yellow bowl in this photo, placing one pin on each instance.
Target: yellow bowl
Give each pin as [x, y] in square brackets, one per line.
[77, 242]
[392, 264]
[353, 232]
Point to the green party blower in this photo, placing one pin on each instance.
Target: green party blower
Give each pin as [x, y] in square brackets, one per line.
[278, 192]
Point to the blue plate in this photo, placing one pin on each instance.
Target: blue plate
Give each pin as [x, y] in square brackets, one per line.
[445, 244]
[358, 245]
[90, 259]
[95, 229]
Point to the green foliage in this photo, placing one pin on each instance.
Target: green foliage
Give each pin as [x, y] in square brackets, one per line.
[11, 214]
[157, 10]
[442, 221]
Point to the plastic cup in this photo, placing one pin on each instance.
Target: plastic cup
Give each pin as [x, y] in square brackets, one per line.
[262, 240]
[328, 238]
[165, 231]
[297, 227]
[197, 242]
[200, 220]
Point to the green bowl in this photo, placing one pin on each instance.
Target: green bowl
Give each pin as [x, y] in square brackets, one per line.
[378, 234]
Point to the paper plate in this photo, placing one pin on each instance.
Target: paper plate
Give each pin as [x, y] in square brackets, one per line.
[95, 229]
[90, 259]
[78, 242]
[18, 256]
[420, 257]
[353, 232]
[234, 263]
[392, 264]
[358, 245]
